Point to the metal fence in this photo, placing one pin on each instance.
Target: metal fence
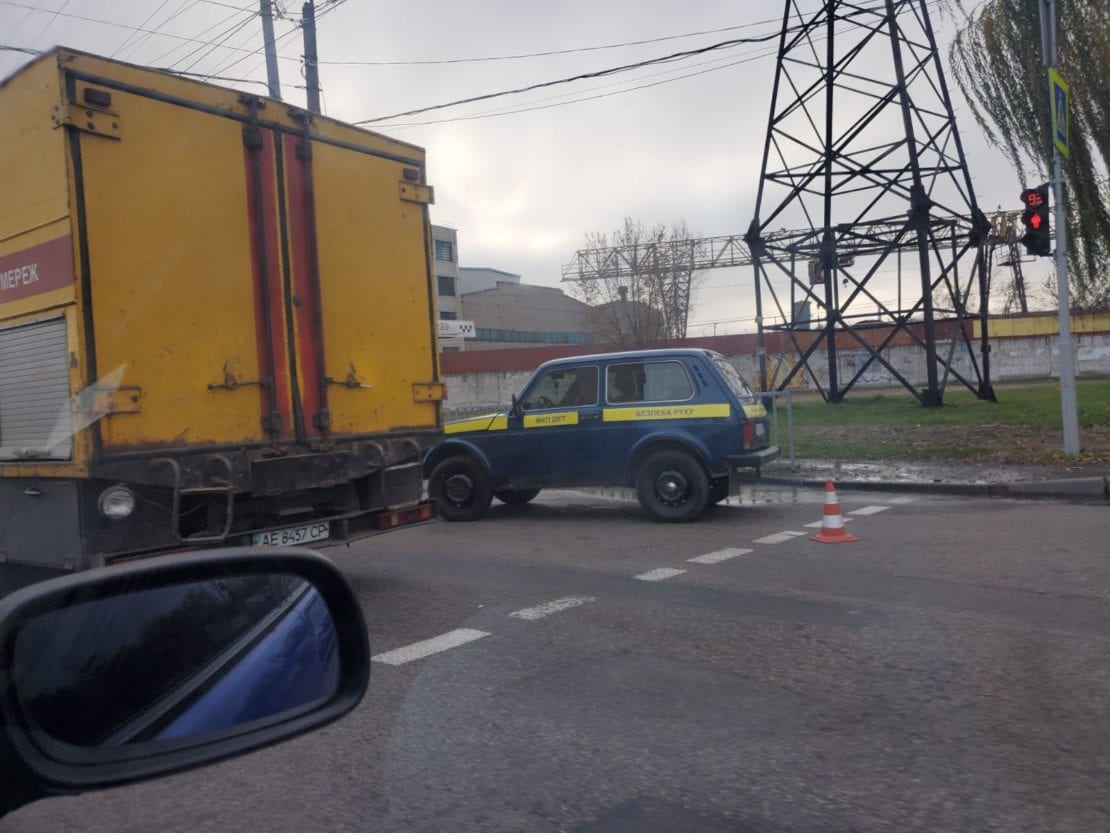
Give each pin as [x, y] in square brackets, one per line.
[782, 425]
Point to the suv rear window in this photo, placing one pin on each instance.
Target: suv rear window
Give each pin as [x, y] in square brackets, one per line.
[735, 381]
[647, 382]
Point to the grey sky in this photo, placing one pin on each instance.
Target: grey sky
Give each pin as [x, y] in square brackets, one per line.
[523, 189]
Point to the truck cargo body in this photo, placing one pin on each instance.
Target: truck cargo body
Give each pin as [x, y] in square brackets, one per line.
[215, 301]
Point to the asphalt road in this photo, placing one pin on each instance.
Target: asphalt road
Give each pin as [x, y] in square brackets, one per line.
[950, 671]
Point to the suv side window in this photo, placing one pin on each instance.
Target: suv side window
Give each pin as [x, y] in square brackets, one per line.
[647, 382]
[563, 387]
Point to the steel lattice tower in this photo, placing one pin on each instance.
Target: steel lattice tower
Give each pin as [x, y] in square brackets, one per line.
[863, 154]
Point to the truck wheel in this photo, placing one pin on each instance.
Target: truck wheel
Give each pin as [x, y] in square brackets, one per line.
[672, 486]
[516, 497]
[460, 489]
[718, 490]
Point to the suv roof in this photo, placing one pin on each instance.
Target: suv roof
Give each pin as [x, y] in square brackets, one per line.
[630, 354]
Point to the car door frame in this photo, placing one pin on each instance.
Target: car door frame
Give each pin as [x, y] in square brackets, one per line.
[562, 452]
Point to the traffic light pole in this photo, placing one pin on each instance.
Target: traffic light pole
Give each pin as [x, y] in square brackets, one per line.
[1069, 410]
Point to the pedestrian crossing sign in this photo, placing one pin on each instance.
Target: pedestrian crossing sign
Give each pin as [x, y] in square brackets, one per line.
[1060, 125]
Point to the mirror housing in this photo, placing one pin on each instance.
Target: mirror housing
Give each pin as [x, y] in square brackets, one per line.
[514, 410]
[36, 765]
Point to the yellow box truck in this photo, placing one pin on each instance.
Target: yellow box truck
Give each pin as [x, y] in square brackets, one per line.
[216, 319]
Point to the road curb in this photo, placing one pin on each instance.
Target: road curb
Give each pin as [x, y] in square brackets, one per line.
[1080, 489]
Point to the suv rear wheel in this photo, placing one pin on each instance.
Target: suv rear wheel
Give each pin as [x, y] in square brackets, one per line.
[460, 488]
[672, 486]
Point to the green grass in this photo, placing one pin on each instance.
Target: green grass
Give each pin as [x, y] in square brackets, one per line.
[1022, 426]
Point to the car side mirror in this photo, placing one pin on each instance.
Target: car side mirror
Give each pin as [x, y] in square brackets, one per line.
[130, 672]
[515, 410]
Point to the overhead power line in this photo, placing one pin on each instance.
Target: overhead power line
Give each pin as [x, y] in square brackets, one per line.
[132, 35]
[200, 36]
[50, 22]
[601, 73]
[221, 41]
[183, 38]
[208, 77]
[480, 59]
[529, 109]
[529, 106]
[142, 39]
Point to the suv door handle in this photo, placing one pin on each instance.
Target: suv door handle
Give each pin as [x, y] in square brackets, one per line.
[589, 416]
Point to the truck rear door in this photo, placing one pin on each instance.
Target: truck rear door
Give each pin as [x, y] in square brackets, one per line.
[249, 282]
[362, 303]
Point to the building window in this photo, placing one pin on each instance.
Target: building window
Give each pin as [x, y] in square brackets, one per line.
[445, 250]
[448, 316]
[446, 285]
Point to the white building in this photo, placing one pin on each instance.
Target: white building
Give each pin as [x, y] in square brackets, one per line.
[479, 278]
[445, 260]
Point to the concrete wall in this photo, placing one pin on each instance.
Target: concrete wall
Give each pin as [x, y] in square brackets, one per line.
[1013, 358]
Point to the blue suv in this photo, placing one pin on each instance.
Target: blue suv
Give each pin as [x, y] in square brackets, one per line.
[673, 424]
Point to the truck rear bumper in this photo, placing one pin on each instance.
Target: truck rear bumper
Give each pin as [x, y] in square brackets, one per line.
[194, 500]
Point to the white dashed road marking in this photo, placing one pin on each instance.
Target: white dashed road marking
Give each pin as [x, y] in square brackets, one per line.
[419, 650]
[718, 557]
[546, 609]
[903, 499]
[869, 510]
[659, 574]
[778, 537]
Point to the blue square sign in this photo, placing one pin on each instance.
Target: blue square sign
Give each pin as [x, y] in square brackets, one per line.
[1060, 125]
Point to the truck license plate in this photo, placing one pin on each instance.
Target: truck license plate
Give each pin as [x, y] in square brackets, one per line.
[293, 536]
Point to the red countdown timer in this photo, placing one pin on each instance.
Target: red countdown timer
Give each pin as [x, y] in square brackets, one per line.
[1035, 219]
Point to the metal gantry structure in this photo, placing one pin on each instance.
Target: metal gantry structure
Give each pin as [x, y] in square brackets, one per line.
[862, 157]
[862, 146]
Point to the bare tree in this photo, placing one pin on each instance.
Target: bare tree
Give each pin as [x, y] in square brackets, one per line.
[642, 288]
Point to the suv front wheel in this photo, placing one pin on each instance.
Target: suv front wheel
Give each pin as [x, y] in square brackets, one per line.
[672, 486]
[460, 488]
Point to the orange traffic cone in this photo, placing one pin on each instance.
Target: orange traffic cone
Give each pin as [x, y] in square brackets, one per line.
[832, 523]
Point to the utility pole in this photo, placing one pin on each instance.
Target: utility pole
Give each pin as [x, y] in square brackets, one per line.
[1069, 411]
[311, 65]
[266, 9]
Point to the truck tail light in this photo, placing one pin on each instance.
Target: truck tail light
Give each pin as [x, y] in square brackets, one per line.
[749, 433]
[389, 520]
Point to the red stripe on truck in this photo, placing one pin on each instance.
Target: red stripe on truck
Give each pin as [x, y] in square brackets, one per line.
[36, 269]
[269, 285]
[309, 341]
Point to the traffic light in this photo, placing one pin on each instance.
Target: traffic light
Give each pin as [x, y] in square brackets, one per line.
[1038, 236]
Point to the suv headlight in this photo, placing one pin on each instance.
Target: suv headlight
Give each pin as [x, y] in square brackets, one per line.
[116, 502]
